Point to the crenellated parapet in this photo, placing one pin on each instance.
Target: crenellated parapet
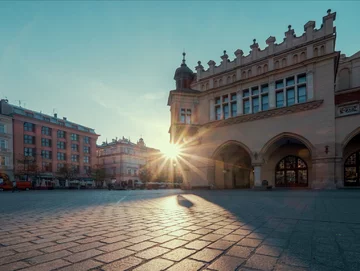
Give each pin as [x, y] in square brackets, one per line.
[293, 49]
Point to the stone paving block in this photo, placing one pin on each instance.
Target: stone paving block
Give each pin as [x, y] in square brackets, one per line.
[214, 227]
[190, 236]
[58, 247]
[282, 267]
[114, 255]
[294, 260]
[276, 242]
[49, 257]
[115, 246]
[48, 266]
[13, 266]
[90, 239]
[197, 244]
[82, 266]
[155, 265]
[352, 256]
[20, 256]
[34, 246]
[173, 244]
[152, 253]
[206, 255]
[123, 264]
[223, 231]
[248, 242]
[192, 228]
[187, 265]
[203, 231]
[329, 260]
[242, 232]
[80, 256]
[7, 253]
[142, 246]
[261, 262]
[269, 250]
[241, 252]
[178, 254]
[179, 233]
[138, 239]
[233, 237]
[115, 239]
[85, 247]
[162, 239]
[211, 237]
[221, 244]
[226, 263]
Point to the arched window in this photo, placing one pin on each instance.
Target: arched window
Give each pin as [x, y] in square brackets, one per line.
[316, 53]
[277, 65]
[352, 170]
[344, 79]
[243, 75]
[249, 73]
[322, 50]
[295, 59]
[266, 69]
[207, 86]
[258, 70]
[202, 87]
[220, 82]
[291, 171]
[228, 80]
[302, 56]
[233, 78]
[283, 63]
[215, 84]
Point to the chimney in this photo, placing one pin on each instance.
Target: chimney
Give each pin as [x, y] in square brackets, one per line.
[64, 118]
[55, 115]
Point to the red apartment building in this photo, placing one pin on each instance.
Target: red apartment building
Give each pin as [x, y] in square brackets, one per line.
[53, 142]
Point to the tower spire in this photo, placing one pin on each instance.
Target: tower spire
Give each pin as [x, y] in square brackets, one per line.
[183, 60]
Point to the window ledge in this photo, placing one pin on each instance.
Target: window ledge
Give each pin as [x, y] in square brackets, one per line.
[266, 114]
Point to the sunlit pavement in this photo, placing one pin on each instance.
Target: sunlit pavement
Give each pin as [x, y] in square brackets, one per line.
[179, 230]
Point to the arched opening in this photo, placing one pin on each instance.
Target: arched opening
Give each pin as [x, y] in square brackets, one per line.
[302, 56]
[322, 50]
[228, 80]
[351, 156]
[249, 73]
[243, 75]
[316, 53]
[258, 70]
[220, 82]
[232, 166]
[215, 84]
[283, 63]
[207, 86]
[287, 161]
[266, 68]
[291, 171]
[295, 59]
[277, 65]
[233, 78]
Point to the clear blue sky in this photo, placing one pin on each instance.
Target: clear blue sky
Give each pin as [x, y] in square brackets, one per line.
[110, 65]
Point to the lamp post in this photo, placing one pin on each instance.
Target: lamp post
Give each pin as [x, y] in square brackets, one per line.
[174, 166]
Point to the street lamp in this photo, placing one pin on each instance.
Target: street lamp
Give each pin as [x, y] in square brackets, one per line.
[174, 166]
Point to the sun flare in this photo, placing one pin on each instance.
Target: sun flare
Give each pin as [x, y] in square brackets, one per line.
[171, 151]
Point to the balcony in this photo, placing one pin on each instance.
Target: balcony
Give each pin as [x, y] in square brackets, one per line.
[4, 149]
[5, 135]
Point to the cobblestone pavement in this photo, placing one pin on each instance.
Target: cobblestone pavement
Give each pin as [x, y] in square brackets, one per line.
[178, 230]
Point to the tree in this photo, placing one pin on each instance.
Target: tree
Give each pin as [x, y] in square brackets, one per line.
[145, 174]
[98, 173]
[27, 166]
[68, 171]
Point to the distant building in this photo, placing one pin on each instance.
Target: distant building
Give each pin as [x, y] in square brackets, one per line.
[51, 142]
[288, 114]
[6, 145]
[123, 159]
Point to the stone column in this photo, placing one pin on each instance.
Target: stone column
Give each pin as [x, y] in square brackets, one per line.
[212, 109]
[310, 85]
[257, 176]
[272, 94]
[239, 102]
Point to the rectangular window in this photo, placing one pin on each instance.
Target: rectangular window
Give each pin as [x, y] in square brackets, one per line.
[279, 99]
[86, 159]
[279, 84]
[255, 91]
[86, 140]
[74, 158]
[290, 96]
[29, 152]
[87, 169]
[246, 106]
[233, 109]
[86, 149]
[188, 116]
[74, 137]
[60, 165]
[225, 99]
[2, 128]
[61, 156]
[217, 100]
[265, 88]
[74, 147]
[61, 145]
[290, 81]
[60, 134]
[29, 127]
[3, 144]
[46, 130]
[28, 114]
[46, 154]
[226, 111]
[182, 115]
[45, 142]
[217, 113]
[46, 119]
[246, 93]
[3, 161]
[255, 105]
[301, 78]
[302, 94]
[233, 96]
[28, 139]
[265, 102]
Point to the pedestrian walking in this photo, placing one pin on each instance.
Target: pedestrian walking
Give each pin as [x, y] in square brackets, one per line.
[14, 186]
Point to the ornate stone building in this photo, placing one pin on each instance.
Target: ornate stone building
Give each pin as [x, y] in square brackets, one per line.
[288, 114]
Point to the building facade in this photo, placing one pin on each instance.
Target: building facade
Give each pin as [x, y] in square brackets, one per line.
[48, 143]
[123, 159]
[6, 146]
[287, 114]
